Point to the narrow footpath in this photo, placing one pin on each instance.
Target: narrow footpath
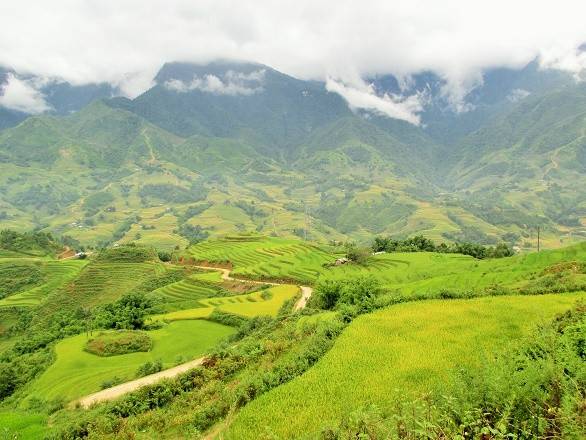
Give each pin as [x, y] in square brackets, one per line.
[127, 387]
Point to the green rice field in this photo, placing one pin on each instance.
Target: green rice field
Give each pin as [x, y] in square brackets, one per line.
[76, 372]
[263, 257]
[249, 305]
[408, 349]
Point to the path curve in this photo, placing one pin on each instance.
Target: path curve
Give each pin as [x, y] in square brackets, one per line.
[127, 387]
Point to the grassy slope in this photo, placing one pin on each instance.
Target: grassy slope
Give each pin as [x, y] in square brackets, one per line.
[429, 272]
[263, 257]
[57, 273]
[76, 372]
[409, 348]
[251, 304]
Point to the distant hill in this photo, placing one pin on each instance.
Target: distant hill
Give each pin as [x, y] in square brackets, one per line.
[213, 149]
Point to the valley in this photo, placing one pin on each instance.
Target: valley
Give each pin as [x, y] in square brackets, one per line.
[235, 346]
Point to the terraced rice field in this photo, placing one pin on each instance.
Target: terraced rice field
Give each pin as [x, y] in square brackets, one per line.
[188, 292]
[251, 304]
[76, 372]
[101, 283]
[57, 274]
[429, 272]
[402, 351]
[22, 426]
[266, 258]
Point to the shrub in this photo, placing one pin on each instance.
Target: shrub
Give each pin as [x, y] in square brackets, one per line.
[149, 368]
[111, 382]
[116, 343]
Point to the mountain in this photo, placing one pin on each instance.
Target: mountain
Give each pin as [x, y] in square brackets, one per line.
[60, 97]
[223, 147]
[237, 100]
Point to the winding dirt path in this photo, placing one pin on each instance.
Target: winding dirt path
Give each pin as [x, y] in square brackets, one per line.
[127, 387]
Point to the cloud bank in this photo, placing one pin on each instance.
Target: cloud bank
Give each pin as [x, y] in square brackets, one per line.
[22, 95]
[124, 43]
[362, 96]
[232, 83]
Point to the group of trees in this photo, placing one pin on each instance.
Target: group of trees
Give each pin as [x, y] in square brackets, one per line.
[421, 244]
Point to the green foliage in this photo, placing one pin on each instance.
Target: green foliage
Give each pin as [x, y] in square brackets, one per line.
[173, 193]
[358, 255]
[127, 254]
[421, 244]
[193, 233]
[128, 312]
[17, 277]
[149, 368]
[351, 296]
[120, 342]
[28, 242]
[97, 200]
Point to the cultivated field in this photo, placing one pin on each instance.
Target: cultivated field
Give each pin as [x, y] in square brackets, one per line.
[401, 351]
[266, 302]
[259, 257]
[76, 372]
[56, 275]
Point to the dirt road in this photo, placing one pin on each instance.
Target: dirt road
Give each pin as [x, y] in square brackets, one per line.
[127, 387]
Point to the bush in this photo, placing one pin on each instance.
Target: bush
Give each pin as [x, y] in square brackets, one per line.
[360, 293]
[111, 382]
[149, 368]
[127, 313]
[127, 254]
[116, 343]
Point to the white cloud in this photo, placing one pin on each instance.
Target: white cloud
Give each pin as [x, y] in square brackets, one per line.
[363, 96]
[518, 94]
[93, 41]
[232, 83]
[22, 95]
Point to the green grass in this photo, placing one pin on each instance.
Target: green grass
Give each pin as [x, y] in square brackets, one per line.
[76, 372]
[407, 349]
[22, 426]
[56, 274]
[101, 283]
[427, 272]
[187, 293]
[250, 304]
[261, 257]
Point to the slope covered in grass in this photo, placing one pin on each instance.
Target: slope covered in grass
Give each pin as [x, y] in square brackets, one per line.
[261, 257]
[262, 303]
[426, 272]
[76, 372]
[409, 349]
[55, 275]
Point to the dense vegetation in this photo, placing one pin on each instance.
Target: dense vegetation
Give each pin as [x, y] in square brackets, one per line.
[112, 344]
[421, 244]
[123, 313]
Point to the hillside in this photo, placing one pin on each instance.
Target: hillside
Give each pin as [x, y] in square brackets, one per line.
[228, 147]
[85, 325]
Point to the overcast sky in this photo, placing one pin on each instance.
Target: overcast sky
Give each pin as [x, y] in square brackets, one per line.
[125, 41]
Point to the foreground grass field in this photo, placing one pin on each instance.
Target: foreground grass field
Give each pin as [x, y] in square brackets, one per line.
[266, 302]
[21, 426]
[401, 351]
[76, 372]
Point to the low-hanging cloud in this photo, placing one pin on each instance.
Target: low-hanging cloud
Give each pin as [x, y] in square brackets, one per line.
[232, 83]
[362, 96]
[22, 95]
[124, 43]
